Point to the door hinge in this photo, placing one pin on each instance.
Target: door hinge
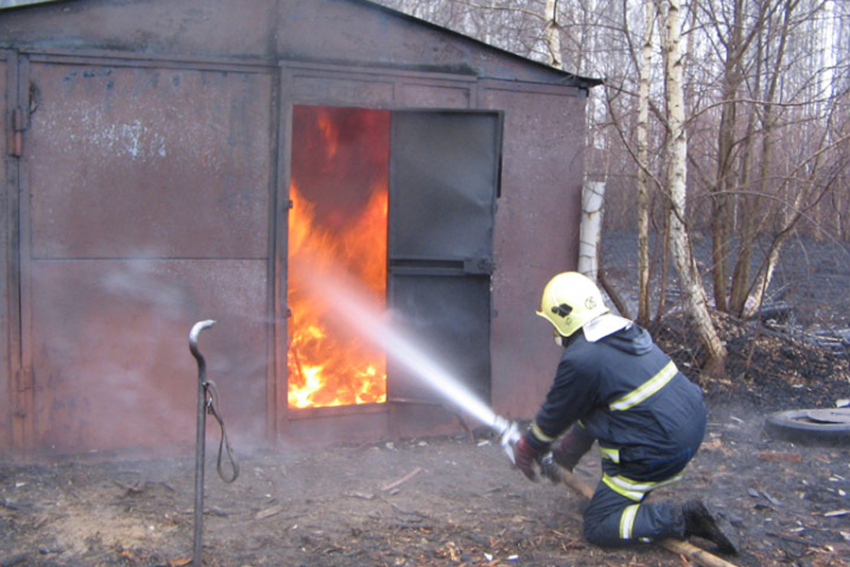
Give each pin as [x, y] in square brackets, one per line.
[23, 379]
[20, 122]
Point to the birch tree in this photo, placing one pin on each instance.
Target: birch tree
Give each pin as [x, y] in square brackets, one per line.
[553, 34]
[677, 152]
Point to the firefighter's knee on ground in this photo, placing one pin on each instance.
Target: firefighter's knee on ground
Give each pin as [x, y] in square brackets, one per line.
[601, 535]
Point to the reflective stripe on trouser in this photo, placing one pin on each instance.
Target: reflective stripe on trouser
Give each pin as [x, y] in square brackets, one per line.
[612, 519]
[633, 489]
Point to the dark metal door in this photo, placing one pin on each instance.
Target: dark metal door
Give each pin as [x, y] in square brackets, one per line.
[444, 178]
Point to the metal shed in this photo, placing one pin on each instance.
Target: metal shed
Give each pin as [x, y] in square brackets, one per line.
[157, 155]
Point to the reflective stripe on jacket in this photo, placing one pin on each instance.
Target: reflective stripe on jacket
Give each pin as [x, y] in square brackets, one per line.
[646, 415]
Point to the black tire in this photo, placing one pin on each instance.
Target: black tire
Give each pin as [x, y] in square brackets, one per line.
[823, 426]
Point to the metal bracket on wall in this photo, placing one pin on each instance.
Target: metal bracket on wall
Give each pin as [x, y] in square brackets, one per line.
[23, 379]
[479, 266]
[20, 122]
[23, 385]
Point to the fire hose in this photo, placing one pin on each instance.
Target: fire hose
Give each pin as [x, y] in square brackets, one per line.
[207, 403]
[509, 434]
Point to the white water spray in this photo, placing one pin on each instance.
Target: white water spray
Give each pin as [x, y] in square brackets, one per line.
[372, 322]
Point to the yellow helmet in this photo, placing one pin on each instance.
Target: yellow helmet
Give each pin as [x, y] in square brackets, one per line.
[570, 300]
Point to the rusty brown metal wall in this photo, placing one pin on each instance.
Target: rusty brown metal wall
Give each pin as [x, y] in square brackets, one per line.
[154, 180]
[148, 210]
[537, 227]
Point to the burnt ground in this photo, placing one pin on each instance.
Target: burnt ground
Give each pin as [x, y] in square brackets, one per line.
[428, 502]
[454, 501]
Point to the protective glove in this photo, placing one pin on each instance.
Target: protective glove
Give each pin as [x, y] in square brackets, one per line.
[572, 447]
[526, 457]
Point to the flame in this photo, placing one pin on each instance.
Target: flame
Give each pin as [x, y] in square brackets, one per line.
[329, 364]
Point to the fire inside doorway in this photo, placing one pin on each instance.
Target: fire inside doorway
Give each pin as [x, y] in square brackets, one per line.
[399, 205]
[339, 189]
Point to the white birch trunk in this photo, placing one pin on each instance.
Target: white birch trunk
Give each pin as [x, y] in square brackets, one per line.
[592, 204]
[763, 282]
[553, 35]
[692, 288]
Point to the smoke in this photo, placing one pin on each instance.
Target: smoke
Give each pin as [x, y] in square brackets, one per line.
[134, 283]
[112, 362]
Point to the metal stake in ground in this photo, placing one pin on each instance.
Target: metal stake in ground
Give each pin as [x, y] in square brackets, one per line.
[200, 440]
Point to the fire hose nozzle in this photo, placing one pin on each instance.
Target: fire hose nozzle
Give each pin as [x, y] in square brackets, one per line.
[550, 469]
[509, 435]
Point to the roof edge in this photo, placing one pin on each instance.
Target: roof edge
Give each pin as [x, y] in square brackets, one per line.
[19, 3]
[577, 80]
[581, 81]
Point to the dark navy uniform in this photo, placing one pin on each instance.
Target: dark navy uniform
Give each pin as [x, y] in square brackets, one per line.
[648, 418]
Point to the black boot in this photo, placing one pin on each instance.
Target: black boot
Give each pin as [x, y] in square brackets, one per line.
[700, 522]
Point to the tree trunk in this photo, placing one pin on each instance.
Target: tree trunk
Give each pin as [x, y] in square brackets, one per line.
[592, 201]
[741, 304]
[725, 176]
[553, 34]
[748, 204]
[766, 274]
[692, 288]
[665, 261]
[643, 167]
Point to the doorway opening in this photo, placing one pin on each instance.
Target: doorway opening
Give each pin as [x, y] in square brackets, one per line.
[339, 189]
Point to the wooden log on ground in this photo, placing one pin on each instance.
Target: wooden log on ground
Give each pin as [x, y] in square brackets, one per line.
[692, 552]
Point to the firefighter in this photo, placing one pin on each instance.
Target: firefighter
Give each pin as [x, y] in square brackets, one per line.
[615, 386]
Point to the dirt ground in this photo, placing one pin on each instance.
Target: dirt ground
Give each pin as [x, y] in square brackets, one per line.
[442, 501]
[454, 501]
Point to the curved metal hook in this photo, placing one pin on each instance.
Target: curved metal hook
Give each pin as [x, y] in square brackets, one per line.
[193, 337]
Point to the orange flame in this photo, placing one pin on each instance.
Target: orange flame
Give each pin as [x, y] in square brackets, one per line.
[329, 365]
